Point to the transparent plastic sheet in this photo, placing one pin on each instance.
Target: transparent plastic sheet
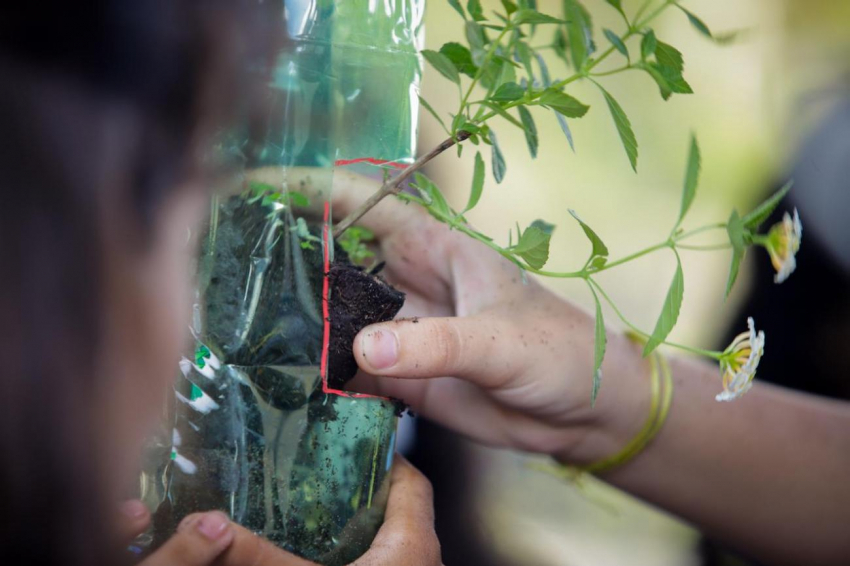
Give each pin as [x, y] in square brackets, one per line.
[253, 428]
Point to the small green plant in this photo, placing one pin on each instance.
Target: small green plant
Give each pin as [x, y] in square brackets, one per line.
[500, 73]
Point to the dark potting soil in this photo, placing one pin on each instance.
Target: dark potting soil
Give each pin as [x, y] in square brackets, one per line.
[358, 298]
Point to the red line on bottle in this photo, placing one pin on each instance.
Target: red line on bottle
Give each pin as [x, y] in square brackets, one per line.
[326, 335]
[372, 160]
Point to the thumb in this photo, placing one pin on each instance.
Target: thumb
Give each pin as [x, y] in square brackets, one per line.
[199, 540]
[481, 350]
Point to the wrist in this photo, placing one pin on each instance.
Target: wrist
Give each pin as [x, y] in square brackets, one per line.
[621, 409]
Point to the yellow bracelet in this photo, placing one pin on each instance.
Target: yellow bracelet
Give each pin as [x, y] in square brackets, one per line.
[659, 409]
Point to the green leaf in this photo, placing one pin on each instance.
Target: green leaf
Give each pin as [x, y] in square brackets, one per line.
[533, 244]
[456, 5]
[616, 42]
[689, 189]
[433, 198]
[476, 12]
[761, 213]
[579, 32]
[669, 56]
[529, 16]
[599, 249]
[498, 160]
[698, 24]
[735, 229]
[648, 44]
[477, 183]
[669, 80]
[670, 310]
[443, 64]
[508, 92]
[544, 70]
[477, 41]
[530, 129]
[562, 103]
[624, 128]
[461, 57]
[617, 4]
[523, 52]
[510, 7]
[600, 342]
[503, 113]
[433, 112]
[297, 199]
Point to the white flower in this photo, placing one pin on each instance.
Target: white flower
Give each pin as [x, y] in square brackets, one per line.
[783, 243]
[740, 361]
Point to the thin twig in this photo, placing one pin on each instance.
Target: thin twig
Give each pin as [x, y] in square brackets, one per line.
[394, 185]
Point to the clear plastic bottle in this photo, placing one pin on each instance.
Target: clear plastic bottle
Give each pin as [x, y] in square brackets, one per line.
[253, 428]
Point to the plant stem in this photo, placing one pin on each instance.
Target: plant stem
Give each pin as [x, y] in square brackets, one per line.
[393, 186]
[704, 248]
[707, 353]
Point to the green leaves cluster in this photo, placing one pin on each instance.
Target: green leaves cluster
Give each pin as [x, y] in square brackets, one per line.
[500, 72]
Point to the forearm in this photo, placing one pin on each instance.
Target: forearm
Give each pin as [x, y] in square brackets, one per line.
[767, 473]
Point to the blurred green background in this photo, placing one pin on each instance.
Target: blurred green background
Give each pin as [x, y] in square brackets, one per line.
[754, 102]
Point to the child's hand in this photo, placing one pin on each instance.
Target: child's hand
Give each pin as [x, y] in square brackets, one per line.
[406, 537]
[511, 363]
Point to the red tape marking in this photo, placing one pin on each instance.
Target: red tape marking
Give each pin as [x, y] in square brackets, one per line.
[326, 338]
[372, 160]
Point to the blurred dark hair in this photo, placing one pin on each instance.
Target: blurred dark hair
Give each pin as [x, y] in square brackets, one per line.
[105, 108]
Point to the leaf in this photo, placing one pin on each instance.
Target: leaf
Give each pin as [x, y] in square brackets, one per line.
[562, 103]
[456, 5]
[533, 244]
[523, 53]
[476, 39]
[761, 213]
[670, 310]
[510, 7]
[508, 92]
[476, 12]
[735, 229]
[689, 189]
[669, 80]
[648, 44]
[297, 199]
[498, 160]
[530, 129]
[669, 56]
[432, 196]
[503, 113]
[579, 32]
[566, 129]
[461, 57]
[544, 70]
[443, 64]
[599, 249]
[617, 4]
[616, 42]
[600, 342]
[432, 112]
[624, 128]
[529, 16]
[477, 183]
[698, 24]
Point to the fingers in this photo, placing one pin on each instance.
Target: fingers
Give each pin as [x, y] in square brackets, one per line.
[407, 535]
[199, 540]
[482, 350]
[249, 549]
[132, 520]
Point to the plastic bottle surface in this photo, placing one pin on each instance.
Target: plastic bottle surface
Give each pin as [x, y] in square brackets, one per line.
[253, 428]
